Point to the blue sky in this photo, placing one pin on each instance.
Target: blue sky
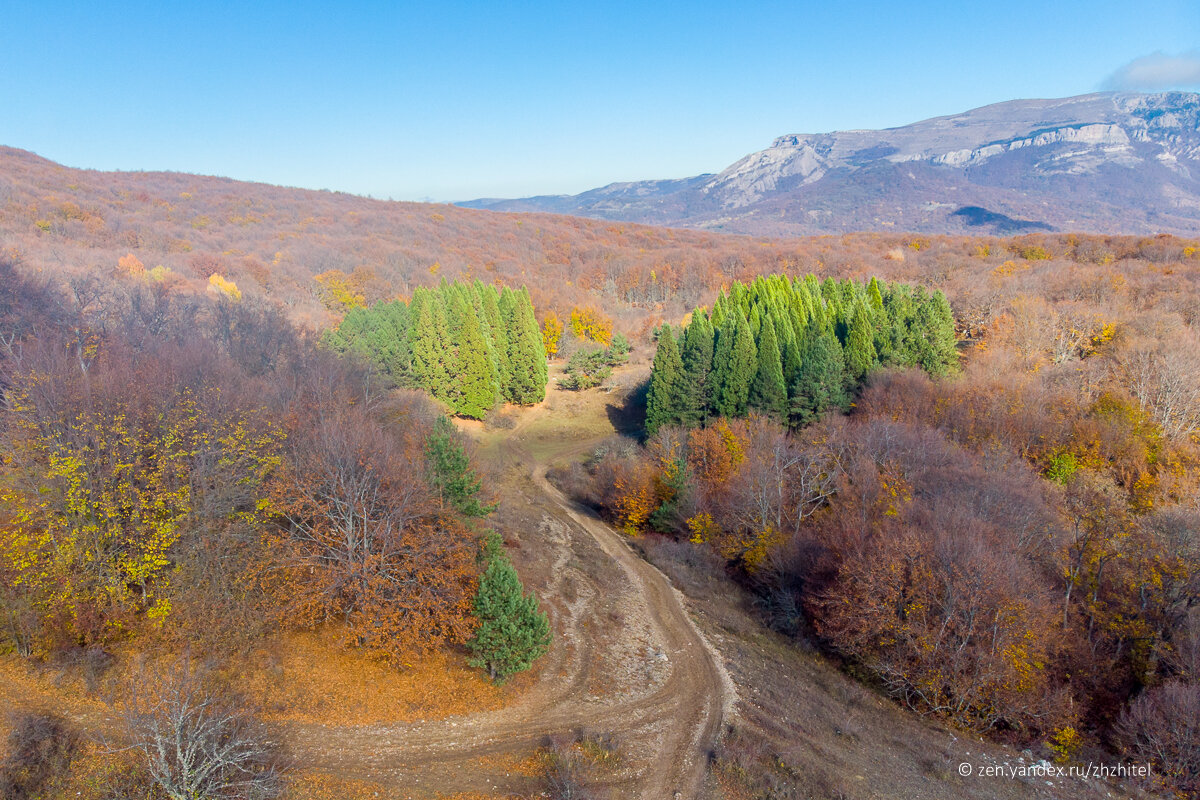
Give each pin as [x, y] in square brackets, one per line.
[453, 100]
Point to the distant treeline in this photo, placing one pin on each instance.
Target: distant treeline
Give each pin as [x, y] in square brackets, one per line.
[468, 345]
[792, 349]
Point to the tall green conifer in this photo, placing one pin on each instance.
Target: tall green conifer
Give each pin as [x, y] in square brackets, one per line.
[860, 344]
[474, 388]
[665, 402]
[734, 363]
[820, 383]
[768, 392]
[526, 352]
[697, 355]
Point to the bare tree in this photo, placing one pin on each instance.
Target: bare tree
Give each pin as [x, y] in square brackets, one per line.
[1165, 380]
[1163, 727]
[198, 742]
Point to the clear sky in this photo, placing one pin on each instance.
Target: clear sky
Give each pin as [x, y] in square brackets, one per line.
[455, 100]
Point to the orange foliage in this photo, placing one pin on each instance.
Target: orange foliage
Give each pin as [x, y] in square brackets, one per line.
[400, 572]
[130, 265]
[714, 453]
[639, 493]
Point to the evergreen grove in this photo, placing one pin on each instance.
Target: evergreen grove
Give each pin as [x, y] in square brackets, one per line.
[469, 345]
[792, 349]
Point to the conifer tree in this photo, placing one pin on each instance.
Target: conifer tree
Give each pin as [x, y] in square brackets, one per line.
[697, 356]
[450, 472]
[768, 392]
[512, 632]
[874, 297]
[526, 351]
[860, 344]
[473, 390]
[820, 384]
[937, 320]
[433, 361]
[734, 364]
[490, 302]
[664, 404]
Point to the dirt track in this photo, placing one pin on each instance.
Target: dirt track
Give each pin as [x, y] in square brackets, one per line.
[665, 696]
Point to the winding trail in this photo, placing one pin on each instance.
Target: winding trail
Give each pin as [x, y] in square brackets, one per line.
[668, 695]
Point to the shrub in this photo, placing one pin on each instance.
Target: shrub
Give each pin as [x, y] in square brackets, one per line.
[40, 748]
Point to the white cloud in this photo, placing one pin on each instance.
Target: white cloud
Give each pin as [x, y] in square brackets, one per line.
[1158, 71]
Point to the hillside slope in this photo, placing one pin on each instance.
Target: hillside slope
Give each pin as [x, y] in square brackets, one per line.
[1116, 163]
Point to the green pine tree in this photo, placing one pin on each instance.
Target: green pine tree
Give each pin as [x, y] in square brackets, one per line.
[512, 632]
[526, 353]
[934, 317]
[450, 472]
[434, 363]
[490, 302]
[768, 392]
[874, 297]
[734, 364]
[860, 344]
[697, 355]
[474, 391]
[665, 401]
[821, 382]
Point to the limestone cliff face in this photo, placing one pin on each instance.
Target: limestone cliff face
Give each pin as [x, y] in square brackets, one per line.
[1102, 162]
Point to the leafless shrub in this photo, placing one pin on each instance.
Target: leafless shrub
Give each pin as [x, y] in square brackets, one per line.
[1162, 727]
[199, 742]
[40, 747]
[569, 770]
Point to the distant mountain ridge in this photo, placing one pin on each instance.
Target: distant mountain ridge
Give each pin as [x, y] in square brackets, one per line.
[1105, 163]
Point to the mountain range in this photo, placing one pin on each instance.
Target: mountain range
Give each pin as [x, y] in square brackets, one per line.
[1105, 163]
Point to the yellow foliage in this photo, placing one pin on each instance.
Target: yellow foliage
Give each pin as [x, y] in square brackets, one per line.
[338, 292]
[222, 287]
[110, 493]
[1065, 743]
[1008, 268]
[590, 323]
[552, 330]
[703, 528]
[341, 292]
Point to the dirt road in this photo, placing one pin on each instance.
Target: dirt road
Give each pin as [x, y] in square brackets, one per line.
[627, 659]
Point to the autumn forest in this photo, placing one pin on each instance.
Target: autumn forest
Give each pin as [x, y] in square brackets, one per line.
[960, 474]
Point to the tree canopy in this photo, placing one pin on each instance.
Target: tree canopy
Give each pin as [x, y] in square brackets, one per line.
[469, 345]
[795, 348]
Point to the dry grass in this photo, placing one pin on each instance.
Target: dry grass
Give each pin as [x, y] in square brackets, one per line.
[25, 685]
[529, 765]
[321, 786]
[311, 678]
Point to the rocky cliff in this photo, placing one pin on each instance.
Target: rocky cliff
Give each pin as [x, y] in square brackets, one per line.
[1120, 163]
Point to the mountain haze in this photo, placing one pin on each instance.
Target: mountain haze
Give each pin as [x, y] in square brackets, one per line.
[1111, 162]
